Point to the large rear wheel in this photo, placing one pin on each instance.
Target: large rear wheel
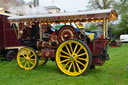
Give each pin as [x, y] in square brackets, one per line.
[27, 58]
[73, 57]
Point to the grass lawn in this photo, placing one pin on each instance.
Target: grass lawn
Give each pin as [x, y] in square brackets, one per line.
[111, 73]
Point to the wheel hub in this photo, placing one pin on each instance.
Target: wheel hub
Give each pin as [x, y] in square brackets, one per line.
[72, 57]
[27, 58]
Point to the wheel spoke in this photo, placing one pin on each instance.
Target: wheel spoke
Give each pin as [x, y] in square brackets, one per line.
[65, 52]
[28, 53]
[68, 50]
[81, 54]
[22, 58]
[32, 59]
[78, 66]
[79, 50]
[31, 62]
[64, 60]
[80, 63]
[23, 61]
[64, 56]
[71, 47]
[69, 67]
[66, 64]
[28, 64]
[31, 55]
[75, 48]
[25, 64]
[83, 59]
[74, 66]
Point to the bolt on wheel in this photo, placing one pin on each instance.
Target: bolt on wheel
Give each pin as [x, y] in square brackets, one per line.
[27, 58]
[73, 57]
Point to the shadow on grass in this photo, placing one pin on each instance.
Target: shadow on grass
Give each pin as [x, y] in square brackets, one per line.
[50, 68]
[95, 71]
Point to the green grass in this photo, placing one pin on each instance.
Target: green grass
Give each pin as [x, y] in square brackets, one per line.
[111, 73]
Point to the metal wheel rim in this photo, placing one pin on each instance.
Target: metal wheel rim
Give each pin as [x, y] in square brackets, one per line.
[66, 64]
[27, 59]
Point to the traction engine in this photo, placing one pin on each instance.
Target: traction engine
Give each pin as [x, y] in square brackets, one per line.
[73, 50]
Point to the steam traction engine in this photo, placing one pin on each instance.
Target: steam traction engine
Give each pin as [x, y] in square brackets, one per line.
[71, 49]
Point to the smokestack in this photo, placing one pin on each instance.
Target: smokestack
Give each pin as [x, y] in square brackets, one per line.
[36, 3]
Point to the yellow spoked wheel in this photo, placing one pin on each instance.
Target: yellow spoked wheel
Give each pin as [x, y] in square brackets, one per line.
[73, 57]
[42, 60]
[27, 58]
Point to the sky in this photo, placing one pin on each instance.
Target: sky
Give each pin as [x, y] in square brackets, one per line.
[68, 5]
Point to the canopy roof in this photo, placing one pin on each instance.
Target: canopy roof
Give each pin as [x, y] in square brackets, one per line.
[6, 14]
[87, 16]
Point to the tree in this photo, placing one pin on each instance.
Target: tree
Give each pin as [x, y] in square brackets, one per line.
[16, 7]
[123, 25]
[92, 26]
[121, 6]
[99, 4]
[115, 30]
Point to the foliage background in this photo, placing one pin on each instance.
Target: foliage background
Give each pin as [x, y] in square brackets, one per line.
[121, 6]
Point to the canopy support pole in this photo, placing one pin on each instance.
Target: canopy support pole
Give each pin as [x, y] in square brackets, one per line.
[40, 32]
[18, 29]
[105, 28]
[15, 31]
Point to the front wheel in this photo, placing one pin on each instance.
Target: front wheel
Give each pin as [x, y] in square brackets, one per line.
[73, 57]
[27, 58]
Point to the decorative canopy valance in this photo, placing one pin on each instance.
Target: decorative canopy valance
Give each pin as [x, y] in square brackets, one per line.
[87, 16]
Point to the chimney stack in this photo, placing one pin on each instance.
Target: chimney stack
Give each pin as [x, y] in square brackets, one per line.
[36, 3]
